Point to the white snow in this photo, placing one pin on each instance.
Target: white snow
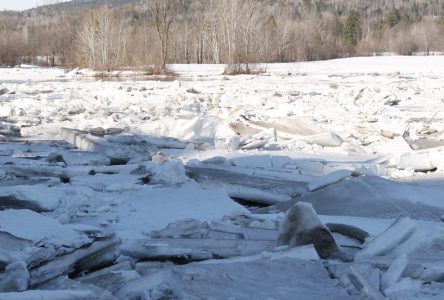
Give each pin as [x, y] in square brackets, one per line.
[31, 226]
[151, 209]
[361, 139]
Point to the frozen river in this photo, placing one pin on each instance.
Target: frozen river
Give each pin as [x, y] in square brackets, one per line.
[181, 189]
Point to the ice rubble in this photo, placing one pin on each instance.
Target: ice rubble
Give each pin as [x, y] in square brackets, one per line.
[97, 177]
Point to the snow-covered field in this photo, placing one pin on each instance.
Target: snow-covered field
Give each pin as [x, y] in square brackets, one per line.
[186, 189]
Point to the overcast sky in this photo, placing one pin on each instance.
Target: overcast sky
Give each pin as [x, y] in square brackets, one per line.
[17, 4]
[20, 4]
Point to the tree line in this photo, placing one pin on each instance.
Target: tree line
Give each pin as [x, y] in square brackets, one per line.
[106, 36]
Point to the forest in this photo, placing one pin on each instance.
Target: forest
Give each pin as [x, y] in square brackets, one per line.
[106, 35]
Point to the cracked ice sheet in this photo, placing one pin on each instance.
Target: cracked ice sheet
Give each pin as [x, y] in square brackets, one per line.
[279, 279]
[140, 211]
[263, 279]
[369, 196]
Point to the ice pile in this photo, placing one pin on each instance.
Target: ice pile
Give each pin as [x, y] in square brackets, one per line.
[221, 187]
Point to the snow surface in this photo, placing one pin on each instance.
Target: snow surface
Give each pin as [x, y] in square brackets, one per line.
[361, 139]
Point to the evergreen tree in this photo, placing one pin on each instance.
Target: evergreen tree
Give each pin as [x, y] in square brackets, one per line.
[352, 33]
[393, 17]
[406, 18]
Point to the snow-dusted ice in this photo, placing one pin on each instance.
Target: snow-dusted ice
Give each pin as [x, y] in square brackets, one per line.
[183, 189]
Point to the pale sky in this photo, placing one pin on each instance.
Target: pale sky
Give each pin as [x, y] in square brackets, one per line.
[20, 4]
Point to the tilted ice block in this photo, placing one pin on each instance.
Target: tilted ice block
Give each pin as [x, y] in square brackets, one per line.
[397, 233]
[258, 140]
[99, 254]
[302, 226]
[362, 285]
[420, 239]
[87, 142]
[392, 275]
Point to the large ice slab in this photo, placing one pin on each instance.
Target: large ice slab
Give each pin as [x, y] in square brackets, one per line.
[254, 188]
[31, 226]
[368, 196]
[147, 209]
[260, 279]
[36, 197]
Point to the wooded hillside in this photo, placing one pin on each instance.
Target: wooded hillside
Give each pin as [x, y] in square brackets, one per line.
[110, 34]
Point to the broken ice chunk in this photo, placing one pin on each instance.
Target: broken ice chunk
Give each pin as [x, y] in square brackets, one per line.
[172, 172]
[363, 286]
[302, 226]
[28, 225]
[180, 229]
[36, 197]
[15, 278]
[258, 140]
[99, 254]
[397, 233]
[112, 278]
[394, 272]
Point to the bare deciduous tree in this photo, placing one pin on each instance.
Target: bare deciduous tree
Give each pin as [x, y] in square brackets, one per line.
[235, 32]
[428, 34]
[229, 18]
[249, 10]
[164, 12]
[101, 44]
[283, 20]
[238, 19]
